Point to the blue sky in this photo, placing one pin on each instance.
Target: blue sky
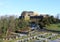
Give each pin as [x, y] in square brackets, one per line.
[15, 7]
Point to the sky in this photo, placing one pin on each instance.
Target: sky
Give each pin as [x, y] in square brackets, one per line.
[15, 7]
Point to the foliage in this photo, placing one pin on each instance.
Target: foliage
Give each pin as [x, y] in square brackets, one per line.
[10, 24]
[47, 20]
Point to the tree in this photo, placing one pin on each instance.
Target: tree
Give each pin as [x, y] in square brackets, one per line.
[11, 25]
[23, 24]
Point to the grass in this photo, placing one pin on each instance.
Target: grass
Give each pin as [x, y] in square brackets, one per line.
[48, 34]
[32, 40]
[55, 27]
[55, 37]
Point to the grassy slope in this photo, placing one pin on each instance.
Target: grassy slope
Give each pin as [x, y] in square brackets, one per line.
[55, 27]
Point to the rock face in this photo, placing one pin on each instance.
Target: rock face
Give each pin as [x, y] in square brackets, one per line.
[32, 17]
[29, 13]
[26, 14]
